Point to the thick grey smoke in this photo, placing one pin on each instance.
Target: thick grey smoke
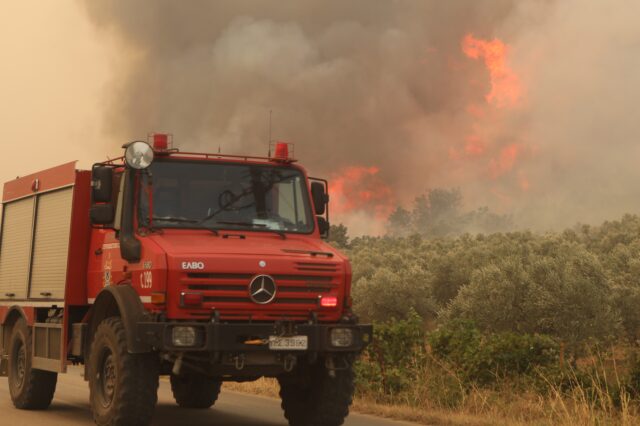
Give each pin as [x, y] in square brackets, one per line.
[386, 86]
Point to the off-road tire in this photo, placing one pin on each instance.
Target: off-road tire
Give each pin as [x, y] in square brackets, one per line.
[195, 391]
[30, 389]
[123, 387]
[313, 398]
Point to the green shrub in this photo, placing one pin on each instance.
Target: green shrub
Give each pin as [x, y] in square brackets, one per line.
[483, 359]
[388, 365]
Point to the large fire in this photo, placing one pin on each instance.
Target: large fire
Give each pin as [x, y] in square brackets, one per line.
[506, 90]
[361, 189]
[505, 94]
[358, 188]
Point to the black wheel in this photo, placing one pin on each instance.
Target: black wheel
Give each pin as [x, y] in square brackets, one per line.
[312, 397]
[195, 391]
[30, 389]
[123, 387]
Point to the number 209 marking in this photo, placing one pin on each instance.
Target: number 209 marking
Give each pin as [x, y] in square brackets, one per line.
[146, 279]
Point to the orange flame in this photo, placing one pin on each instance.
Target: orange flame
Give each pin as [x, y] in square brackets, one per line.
[505, 161]
[484, 142]
[506, 90]
[359, 188]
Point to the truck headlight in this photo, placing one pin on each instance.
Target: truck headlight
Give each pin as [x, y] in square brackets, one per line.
[138, 155]
[184, 336]
[341, 337]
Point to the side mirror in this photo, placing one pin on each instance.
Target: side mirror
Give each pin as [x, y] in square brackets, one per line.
[130, 248]
[320, 197]
[101, 184]
[102, 214]
[323, 227]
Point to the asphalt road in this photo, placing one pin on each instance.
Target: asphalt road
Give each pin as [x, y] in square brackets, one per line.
[71, 407]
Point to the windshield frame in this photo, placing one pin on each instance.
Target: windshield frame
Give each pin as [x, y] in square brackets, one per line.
[307, 208]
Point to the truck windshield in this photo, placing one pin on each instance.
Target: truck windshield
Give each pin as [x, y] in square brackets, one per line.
[191, 194]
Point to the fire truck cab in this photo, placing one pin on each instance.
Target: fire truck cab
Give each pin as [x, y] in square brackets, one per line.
[202, 267]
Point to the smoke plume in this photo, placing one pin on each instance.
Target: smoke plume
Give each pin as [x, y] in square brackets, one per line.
[527, 106]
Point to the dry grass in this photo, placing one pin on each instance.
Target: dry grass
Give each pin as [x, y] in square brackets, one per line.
[263, 386]
[491, 407]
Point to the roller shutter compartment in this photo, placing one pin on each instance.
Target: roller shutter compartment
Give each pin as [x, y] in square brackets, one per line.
[51, 244]
[15, 251]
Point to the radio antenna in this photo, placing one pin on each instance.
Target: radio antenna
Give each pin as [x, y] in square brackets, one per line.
[269, 140]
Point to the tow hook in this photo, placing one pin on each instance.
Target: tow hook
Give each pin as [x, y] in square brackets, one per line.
[177, 366]
[239, 361]
[215, 316]
[331, 367]
[289, 363]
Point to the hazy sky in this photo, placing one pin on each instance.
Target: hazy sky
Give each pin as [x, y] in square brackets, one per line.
[53, 75]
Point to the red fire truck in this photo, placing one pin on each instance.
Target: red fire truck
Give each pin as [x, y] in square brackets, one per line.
[202, 267]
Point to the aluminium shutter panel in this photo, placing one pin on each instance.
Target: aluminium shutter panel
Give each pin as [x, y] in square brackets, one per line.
[51, 244]
[15, 251]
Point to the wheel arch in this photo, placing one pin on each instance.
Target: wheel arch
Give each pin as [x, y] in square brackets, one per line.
[121, 301]
[8, 319]
[13, 314]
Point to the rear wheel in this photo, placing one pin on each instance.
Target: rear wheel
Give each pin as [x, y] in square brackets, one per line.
[123, 386]
[312, 397]
[195, 391]
[30, 389]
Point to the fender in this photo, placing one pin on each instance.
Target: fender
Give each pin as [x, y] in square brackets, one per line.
[8, 317]
[123, 301]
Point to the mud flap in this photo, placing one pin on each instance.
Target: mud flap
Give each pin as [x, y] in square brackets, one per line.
[4, 365]
[4, 357]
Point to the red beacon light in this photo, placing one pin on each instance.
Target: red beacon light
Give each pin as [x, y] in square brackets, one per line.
[160, 141]
[282, 151]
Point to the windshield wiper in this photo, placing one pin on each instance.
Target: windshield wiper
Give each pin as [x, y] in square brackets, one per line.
[175, 219]
[235, 199]
[262, 227]
[241, 195]
[185, 220]
[249, 224]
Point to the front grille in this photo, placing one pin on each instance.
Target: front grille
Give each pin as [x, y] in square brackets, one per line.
[303, 289]
[216, 287]
[277, 301]
[214, 276]
[317, 266]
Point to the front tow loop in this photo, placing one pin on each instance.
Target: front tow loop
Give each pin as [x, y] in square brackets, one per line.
[239, 362]
[289, 362]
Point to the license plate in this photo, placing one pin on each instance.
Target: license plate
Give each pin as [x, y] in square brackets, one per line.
[293, 343]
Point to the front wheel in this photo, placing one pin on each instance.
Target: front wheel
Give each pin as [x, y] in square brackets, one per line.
[123, 387]
[195, 391]
[313, 397]
[30, 389]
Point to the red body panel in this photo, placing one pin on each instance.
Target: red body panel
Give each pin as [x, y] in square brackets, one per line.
[76, 289]
[53, 178]
[108, 268]
[226, 267]
[75, 286]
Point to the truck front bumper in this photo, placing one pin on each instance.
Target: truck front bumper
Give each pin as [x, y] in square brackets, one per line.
[251, 337]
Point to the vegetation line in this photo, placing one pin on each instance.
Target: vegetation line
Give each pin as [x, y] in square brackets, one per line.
[502, 328]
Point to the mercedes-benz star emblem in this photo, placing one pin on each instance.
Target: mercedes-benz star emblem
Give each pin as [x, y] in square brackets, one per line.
[262, 289]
